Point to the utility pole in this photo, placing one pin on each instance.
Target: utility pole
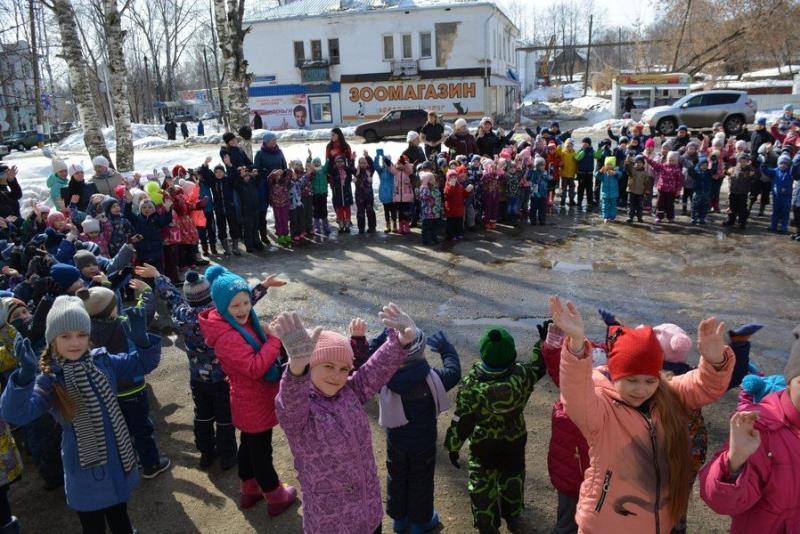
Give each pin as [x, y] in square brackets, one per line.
[37, 90]
[588, 57]
[148, 109]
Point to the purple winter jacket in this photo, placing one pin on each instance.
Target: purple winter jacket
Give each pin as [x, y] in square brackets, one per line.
[331, 442]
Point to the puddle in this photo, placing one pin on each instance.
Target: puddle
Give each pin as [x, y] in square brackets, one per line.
[571, 267]
[720, 236]
[519, 323]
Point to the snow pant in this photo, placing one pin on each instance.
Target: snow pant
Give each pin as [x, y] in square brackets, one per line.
[585, 188]
[171, 257]
[567, 188]
[221, 222]
[365, 215]
[343, 216]
[262, 224]
[308, 215]
[255, 460]
[700, 205]
[409, 483]
[763, 190]
[716, 187]
[429, 231]
[565, 516]
[525, 200]
[116, 517]
[666, 205]
[496, 486]
[538, 211]
[212, 405]
[136, 411]
[296, 222]
[208, 234]
[5, 507]
[43, 439]
[688, 194]
[250, 222]
[781, 205]
[415, 211]
[622, 200]
[320, 206]
[635, 206]
[502, 207]
[390, 212]
[281, 220]
[512, 207]
[455, 227]
[608, 207]
[738, 206]
[403, 211]
[233, 222]
[491, 203]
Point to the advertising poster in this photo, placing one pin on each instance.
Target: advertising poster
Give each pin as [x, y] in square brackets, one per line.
[282, 112]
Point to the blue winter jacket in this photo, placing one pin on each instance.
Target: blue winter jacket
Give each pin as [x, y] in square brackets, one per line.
[609, 184]
[100, 486]
[386, 187]
[151, 248]
[702, 181]
[267, 161]
[585, 159]
[782, 179]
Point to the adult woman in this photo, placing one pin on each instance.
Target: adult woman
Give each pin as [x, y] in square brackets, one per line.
[78, 191]
[338, 147]
[432, 133]
[461, 140]
[489, 143]
[268, 159]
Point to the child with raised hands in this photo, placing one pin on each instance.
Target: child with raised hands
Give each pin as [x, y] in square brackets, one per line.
[321, 409]
[635, 421]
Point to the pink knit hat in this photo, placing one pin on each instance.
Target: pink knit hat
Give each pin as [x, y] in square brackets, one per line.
[332, 347]
[674, 341]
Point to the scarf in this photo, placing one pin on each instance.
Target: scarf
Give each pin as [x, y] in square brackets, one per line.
[79, 377]
[390, 404]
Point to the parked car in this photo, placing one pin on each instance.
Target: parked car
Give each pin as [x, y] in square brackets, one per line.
[395, 123]
[209, 115]
[22, 141]
[184, 117]
[734, 109]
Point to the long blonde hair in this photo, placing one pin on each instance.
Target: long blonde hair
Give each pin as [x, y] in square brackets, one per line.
[65, 406]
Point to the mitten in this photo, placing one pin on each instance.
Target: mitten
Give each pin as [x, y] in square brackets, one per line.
[27, 360]
[136, 326]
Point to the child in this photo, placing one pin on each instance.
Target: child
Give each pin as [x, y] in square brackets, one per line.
[638, 184]
[430, 212]
[386, 190]
[320, 193]
[474, 209]
[539, 179]
[702, 177]
[149, 223]
[365, 197]
[296, 222]
[635, 421]
[491, 195]
[454, 195]
[250, 359]
[489, 412]
[585, 159]
[120, 228]
[250, 203]
[554, 165]
[689, 160]
[669, 181]
[753, 478]
[569, 171]
[78, 385]
[796, 209]
[403, 197]
[608, 176]
[782, 177]
[307, 196]
[513, 193]
[340, 178]
[321, 410]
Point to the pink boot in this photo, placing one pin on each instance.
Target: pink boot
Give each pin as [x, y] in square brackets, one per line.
[250, 493]
[279, 499]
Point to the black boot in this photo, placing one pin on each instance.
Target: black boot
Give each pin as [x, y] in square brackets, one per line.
[235, 247]
[213, 247]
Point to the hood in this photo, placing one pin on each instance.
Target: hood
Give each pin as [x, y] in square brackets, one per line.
[650, 112]
[408, 376]
[775, 411]
[213, 326]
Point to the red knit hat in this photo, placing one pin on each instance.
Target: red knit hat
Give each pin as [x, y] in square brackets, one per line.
[178, 169]
[634, 351]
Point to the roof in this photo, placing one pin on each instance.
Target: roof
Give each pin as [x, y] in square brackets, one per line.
[262, 11]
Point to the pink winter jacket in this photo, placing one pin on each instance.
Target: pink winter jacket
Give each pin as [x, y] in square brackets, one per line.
[252, 397]
[403, 191]
[669, 178]
[331, 443]
[625, 487]
[765, 498]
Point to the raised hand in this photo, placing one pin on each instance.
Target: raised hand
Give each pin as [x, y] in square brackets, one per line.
[709, 340]
[27, 360]
[140, 286]
[567, 319]
[358, 327]
[296, 340]
[393, 317]
[745, 439]
[147, 271]
[137, 326]
[438, 342]
[272, 280]
[543, 328]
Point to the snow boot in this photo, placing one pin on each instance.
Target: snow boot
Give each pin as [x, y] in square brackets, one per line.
[197, 259]
[279, 499]
[226, 247]
[235, 247]
[204, 246]
[250, 493]
[394, 227]
[213, 247]
[422, 528]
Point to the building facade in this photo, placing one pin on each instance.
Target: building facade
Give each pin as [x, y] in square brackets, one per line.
[323, 63]
[17, 105]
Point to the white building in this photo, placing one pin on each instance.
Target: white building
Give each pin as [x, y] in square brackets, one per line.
[320, 63]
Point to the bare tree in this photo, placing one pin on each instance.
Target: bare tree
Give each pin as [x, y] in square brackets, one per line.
[119, 84]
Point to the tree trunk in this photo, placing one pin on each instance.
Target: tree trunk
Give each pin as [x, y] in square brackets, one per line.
[79, 79]
[119, 85]
[680, 36]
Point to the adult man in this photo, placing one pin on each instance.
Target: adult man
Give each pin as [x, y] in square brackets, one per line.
[432, 133]
[300, 115]
[628, 105]
[171, 127]
[258, 123]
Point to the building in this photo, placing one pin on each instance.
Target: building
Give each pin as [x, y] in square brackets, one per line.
[17, 105]
[321, 63]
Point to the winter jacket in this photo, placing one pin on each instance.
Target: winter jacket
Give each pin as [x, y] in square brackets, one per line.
[639, 181]
[464, 145]
[585, 159]
[540, 183]
[331, 443]
[252, 397]
[415, 154]
[10, 193]
[427, 203]
[319, 184]
[363, 180]
[386, 186]
[151, 248]
[54, 184]
[609, 184]
[222, 191]
[10, 461]
[106, 182]
[702, 181]
[554, 164]
[278, 191]
[781, 180]
[454, 197]
[249, 200]
[765, 497]
[341, 182]
[569, 165]
[100, 486]
[402, 183]
[628, 467]
[335, 149]
[788, 140]
[491, 144]
[669, 178]
[267, 160]
[84, 189]
[758, 138]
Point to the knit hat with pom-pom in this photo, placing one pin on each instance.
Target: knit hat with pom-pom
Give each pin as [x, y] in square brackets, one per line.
[99, 301]
[675, 342]
[55, 217]
[225, 285]
[196, 289]
[497, 348]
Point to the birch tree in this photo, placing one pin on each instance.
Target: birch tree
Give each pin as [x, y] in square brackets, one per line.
[78, 77]
[119, 84]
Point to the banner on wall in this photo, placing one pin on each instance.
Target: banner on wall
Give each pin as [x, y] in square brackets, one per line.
[282, 112]
[452, 98]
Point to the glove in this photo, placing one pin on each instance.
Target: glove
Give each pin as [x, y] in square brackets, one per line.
[438, 342]
[393, 317]
[543, 328]
[454, 459]
[136, 326]
[295, 338]
[608, 317]
[27, 360]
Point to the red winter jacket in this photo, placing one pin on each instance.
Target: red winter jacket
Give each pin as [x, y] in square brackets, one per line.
[252, 397]
[454, 197]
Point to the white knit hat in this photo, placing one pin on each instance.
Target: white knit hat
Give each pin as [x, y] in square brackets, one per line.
[411, 136]
[460, 123]
[66, 315]
[100, 161]
[74, 168]
[59, 165]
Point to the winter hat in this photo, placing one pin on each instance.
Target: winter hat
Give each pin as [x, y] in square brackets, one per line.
[788, 107]
[12, 305]
[225, 285]
[452, 173]
[316, 162]
[793, 365]
[178, 170]
[425, 178]
[66, 315]
[269, 136]
[90, 225]
[83, 259]
[460, 123]
[331, 347]
[610, 161]
[74, 168]
[650, 143]
[675, 342]
[762, 121]
[743, 156]
[683, 127]
[65, 275]
[740, 144]
[99, 301]
[416, 350]
[411, 136]
[497, 348]
[538, 161]
[476, 157]
[622, 139]
[100, 161]
[196, 289]
[107, 203]
[634, 351]
[4, 313]
[638, 158]
[761, 386]
[784, 160]
[54, 217]
[587, 140]
[673, 156]
[58, 165]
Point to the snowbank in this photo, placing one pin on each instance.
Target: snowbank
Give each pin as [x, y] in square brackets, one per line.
[586, 108]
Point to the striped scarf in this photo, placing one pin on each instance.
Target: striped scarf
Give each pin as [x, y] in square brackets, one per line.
[80, 376]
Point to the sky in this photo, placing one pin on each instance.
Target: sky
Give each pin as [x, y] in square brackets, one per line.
[612, 12]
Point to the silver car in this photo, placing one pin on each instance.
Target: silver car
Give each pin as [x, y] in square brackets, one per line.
[733, 109]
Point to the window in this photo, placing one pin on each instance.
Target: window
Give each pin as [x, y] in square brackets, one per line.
[388, 47]
[694, 102]
[393, 116]
[333, 51]
[425, 44]
[321, 109]
[720, 99]
[299, 53]
[407, 46]
[316, 50]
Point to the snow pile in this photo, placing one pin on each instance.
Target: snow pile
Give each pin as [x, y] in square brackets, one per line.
[144, 135]
[566, 91]
[586, 108]
[774, 72]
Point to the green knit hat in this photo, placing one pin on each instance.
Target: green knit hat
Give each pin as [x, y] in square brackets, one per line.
[497, 348]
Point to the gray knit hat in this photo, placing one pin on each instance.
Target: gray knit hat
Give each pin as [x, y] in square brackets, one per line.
[83, 258]
[196, 289]
[793, 365]
[99, 301]
[66, 314]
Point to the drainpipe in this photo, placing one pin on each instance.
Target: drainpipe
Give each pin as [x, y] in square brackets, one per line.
[486, 64]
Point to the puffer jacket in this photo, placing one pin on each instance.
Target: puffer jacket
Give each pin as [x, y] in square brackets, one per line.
[454, 197]
[569, 168]
[386, 178]
[55, 183]
[628, 463]
[765, 497]
[782, 179]
[669, 178]
[252, 397]
[402, 183]
[151, 248]
[331, 442]
[609, 183]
